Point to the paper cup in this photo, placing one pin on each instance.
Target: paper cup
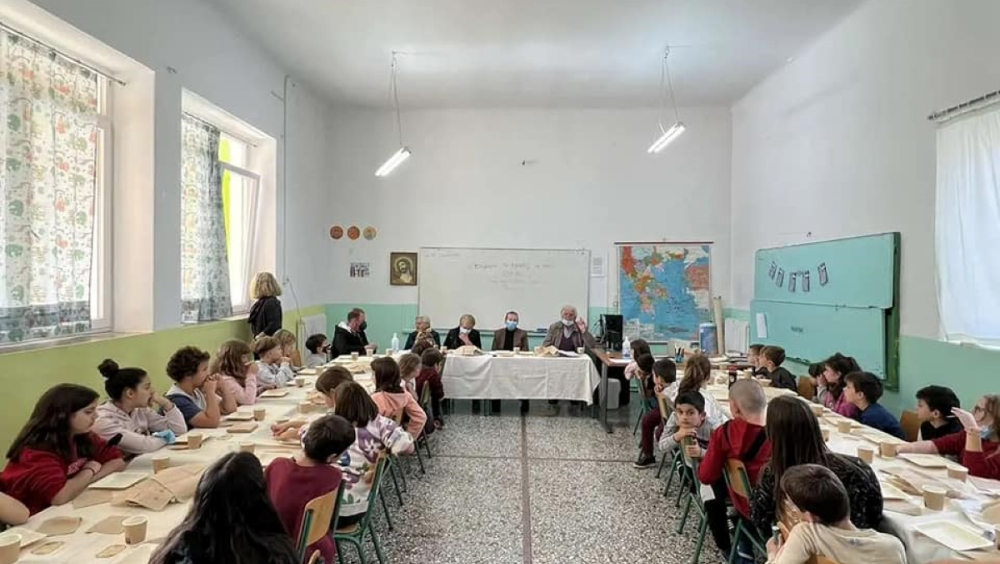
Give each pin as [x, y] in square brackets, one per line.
[354, 356]
[826, 435]
[934, 497]
[844, 426]
[866, 453]
[958, 473]
[517, 350]
[580, 350]
[160, 463]
[135, 529]
[817, 409]
[10, 548]
[888, 450]
[259, 413]
[194, 440]
[305, 406]
[247, 446]
[300, 381]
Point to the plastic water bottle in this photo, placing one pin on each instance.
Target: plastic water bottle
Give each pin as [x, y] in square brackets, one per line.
[395, 342]
[626, 348]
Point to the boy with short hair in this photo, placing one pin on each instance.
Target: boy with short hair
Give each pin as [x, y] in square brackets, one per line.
[687, 421]
[753, 359]
[771, 358]
[863, 389]
[274, 370]
[934, 405]
[318, 346]
[826, 527]
[743, 438]
[195, 392]
[663, 374]
[294, 482]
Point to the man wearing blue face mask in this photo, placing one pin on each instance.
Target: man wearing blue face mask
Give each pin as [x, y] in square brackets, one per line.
[510, 337]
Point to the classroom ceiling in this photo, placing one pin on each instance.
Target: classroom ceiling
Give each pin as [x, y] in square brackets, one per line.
[533, 53]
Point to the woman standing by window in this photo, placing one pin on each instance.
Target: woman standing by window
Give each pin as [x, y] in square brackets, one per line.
[265, 313]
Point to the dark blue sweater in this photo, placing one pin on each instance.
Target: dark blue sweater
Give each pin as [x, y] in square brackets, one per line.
[878, 417]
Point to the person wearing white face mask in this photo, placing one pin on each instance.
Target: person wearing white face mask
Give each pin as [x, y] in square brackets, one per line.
[463, 335]
[510, 337]
[977, 446]
[570, 332]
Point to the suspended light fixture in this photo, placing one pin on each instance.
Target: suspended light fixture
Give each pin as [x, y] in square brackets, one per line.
[403, 152]
[675, 130]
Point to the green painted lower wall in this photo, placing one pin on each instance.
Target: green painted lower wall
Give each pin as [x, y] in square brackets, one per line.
[26, 375]
[969, 370]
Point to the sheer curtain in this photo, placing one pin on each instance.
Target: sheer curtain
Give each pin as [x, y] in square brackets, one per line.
[967, 227]
[48, 142]
[204, 261]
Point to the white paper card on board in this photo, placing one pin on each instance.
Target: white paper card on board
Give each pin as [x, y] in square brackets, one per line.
[761, 326]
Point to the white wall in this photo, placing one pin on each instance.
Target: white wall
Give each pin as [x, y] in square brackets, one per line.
[188, 44]
[587, 182]
[837, 143]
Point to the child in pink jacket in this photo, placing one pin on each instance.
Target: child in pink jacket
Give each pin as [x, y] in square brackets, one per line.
[237, 372]
[392, 400]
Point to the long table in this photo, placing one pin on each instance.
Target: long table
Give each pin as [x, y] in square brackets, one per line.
[920, 549]
[81, 546]
[520, 377]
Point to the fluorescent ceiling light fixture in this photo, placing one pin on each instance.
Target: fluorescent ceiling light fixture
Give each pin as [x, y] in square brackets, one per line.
[395, 160]
[669, 135]
[675, 131]
[403, 153]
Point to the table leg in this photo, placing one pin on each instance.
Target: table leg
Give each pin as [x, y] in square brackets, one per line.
[603, 399]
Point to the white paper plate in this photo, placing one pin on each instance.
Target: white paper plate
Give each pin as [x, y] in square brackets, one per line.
[277, 393]
[925, 460]
[28, 537]
[240, 416]
[956, 536]
[890, 491]
[118, 481]
[183, 439]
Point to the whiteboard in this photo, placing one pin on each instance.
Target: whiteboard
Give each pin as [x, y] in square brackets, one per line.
[488, 283]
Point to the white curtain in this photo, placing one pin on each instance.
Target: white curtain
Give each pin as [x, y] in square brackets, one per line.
[967, 228]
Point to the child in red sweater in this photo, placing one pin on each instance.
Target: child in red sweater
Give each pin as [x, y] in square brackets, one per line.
[56, 456]
[977, 446]
[431, 376]
[294, 482]
[743, 438]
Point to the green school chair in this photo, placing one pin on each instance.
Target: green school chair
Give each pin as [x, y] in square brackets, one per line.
[693, 499]
[643, 404]
[665, 411]
[738, 483]
[316, 520]
[355, 534]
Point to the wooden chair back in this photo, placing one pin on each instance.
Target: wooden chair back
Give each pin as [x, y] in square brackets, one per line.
[665, 408]
[738, 479]
[425, 398]
[317, 519]
[910, 423]
[806, 388]
[641, 381]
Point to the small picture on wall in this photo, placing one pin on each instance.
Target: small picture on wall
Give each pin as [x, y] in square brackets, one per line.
[361, 269]
[403, 269]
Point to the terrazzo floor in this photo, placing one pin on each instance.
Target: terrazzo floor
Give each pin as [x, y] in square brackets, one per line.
[534, 489]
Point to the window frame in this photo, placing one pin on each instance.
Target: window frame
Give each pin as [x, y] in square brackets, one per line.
[243, 306]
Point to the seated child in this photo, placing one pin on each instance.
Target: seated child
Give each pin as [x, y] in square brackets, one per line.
[977, 447]
[392, 400]
[754, 360]
[934, 405]
[318, 347]
[430, 376]
[826, 527]
[420, 346]
[294, 482]
[864, 390]
[236, 371]
[375, 435]
[56, 456]
[687, 420]
[660, 375]
[637, 348]
[771, 358]
[289, 348]
[194, 391]
[831, 384]
[409, 368]
[744, 439]
[326, 385]
[275, 370]
[129, 411]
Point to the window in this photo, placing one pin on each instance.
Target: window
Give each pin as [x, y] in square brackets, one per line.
[967, 228]
[218, 205]
[55, 142]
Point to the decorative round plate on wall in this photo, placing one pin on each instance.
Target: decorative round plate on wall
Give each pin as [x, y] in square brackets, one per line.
[336, 232]
[370, 233]
[353, 233]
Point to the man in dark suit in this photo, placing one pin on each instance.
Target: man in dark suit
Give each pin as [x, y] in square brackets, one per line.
[463, 335]
[423, 332]
[510, 337]
[349, 337]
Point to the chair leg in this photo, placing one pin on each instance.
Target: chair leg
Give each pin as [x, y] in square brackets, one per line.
[395, 481]
[702, 529]
[378, 545]
[682, 485]
[340, 552]
[385, 509]
[427, 445]
[684, 517]
[659, 469]
[736, 542]
[420, 459]
[402, 475]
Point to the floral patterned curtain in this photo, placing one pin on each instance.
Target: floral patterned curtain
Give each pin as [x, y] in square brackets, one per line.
[48, 144]
[204, 259]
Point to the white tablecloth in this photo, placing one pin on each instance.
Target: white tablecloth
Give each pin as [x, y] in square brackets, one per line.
[520, 377]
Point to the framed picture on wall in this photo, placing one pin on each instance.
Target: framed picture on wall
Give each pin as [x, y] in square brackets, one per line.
[403, 269]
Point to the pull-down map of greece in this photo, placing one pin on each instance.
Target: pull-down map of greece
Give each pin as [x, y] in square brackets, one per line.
[664, 290]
